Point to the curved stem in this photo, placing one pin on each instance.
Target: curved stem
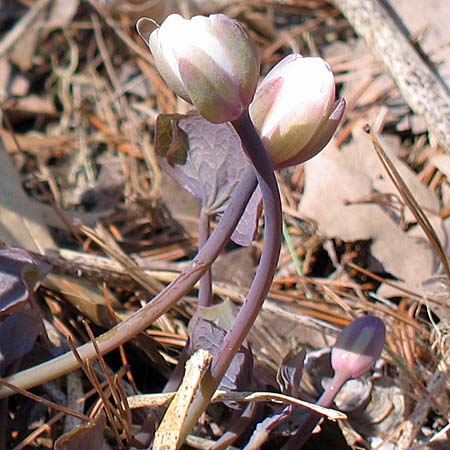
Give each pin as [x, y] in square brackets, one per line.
[263, 278]
[237, 427]
[160, 304]
[205, 289]
[311, 418]
[270, 253]
[262, 431]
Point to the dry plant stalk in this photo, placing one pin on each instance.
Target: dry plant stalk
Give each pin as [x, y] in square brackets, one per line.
[153, 400]
[172, 430]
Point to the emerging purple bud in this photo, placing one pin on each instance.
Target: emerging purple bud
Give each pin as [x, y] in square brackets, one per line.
[358, 347]
[294, 109]
[209, 61]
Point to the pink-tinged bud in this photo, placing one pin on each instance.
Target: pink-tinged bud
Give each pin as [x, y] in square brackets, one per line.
[209, 61]
[358, 347]
[295, 111]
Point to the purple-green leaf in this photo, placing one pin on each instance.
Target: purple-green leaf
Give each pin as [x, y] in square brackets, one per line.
[20, 274]
[18, 333]
[208, 161]
[290, 372]
[83, 437]
[207, 335]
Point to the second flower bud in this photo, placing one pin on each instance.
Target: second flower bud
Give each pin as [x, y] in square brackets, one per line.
[295, 111]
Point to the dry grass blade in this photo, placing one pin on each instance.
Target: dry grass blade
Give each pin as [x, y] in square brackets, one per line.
[117, 414]
[120, 409]
[44, 401]
[112, 249]
[279, 398]
[408, 198]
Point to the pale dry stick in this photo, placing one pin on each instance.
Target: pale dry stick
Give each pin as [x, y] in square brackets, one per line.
[421, 87]
[168, 435]
[119, 272]
[199, 443]
[153, 400]
[22, 26]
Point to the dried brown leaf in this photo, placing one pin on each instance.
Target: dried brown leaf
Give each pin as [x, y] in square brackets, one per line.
[340, 188]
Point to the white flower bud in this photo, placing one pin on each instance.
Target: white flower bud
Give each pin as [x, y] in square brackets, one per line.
[294, 109]
[209, 61]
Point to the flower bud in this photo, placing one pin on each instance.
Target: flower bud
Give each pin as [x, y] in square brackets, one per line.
[209, 61]
[358, 346]
[294, 109]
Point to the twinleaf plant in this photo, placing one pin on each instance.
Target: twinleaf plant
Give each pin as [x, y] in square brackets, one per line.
[212, 63]
[225, 152]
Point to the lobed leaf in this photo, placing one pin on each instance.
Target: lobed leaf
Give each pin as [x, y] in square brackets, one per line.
[208, 161]
[207, 335]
